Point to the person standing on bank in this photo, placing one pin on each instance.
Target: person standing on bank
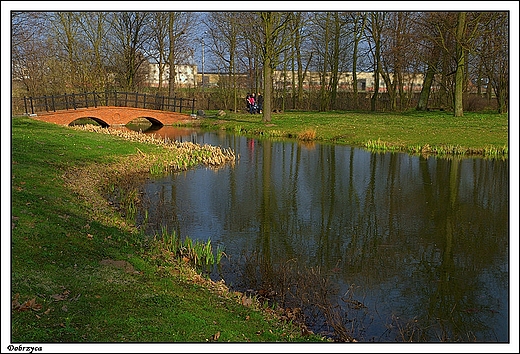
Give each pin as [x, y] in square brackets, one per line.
[247, 102]
[251, 101]
[259, 102]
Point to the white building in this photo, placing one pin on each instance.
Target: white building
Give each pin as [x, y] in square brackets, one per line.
[365, 80]
[185, 75]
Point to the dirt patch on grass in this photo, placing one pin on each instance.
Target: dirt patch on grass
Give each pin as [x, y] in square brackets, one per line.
[124, 265]
[90, 185]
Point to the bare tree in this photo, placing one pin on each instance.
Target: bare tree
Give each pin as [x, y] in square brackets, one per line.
[95, 27]
[178, 25]
[323, 25]
[25, 26]
[58, 51]
[28, 52]
[298, 56]
[66, 34]
[275, 38]
[460, 64]
[339, 50]
[159, 38]
[494, 51]
[132, 36]
[397, 52]
[375, 29]
[224, 29]
[359, 20]
[468, 26]
[456, 35]
[429, 54]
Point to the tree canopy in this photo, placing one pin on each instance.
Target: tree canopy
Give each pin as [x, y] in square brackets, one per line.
[451, 53]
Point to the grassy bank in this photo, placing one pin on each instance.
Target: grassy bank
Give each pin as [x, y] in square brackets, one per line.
[82, 273]
[484, 134]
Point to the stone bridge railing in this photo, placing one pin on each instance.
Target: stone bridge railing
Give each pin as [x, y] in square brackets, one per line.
[73, 101]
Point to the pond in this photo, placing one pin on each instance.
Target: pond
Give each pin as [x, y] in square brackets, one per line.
[385, 246]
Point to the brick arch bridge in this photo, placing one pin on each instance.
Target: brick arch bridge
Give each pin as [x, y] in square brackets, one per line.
[107, 116]
[109, 108]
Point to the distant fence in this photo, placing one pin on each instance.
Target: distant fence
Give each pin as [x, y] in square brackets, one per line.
[108, 98]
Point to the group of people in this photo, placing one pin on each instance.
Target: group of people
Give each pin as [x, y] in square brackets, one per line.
[254, 103]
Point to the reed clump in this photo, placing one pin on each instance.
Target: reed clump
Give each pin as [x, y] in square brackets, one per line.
[443, 150]
[457, 150]
[178, 155]
[380, 145]
[200, 254]
[307, 135]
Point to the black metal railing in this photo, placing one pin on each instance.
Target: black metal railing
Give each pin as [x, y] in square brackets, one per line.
[108, 98]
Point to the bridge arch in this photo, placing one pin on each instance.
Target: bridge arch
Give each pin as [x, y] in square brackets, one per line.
[95, 119]
[152, 120]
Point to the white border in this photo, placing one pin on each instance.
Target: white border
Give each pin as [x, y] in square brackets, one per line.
[511, 6]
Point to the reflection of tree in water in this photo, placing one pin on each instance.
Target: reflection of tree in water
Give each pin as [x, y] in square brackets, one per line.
[407, 237]
[378, 249]
[456, 306]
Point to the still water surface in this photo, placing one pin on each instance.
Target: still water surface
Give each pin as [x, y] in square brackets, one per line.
[410, 247]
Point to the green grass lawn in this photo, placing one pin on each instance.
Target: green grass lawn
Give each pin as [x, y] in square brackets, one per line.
[474, 133]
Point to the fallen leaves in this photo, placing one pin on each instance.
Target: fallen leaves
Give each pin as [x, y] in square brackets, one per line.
[31, 304]
[247, 301]
[216, 336]
[27, 305]
[61, 297]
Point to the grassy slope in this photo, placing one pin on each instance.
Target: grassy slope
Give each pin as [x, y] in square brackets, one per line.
[57, 247]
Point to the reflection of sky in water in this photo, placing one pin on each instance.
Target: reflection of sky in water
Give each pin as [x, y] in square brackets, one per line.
[417, 237]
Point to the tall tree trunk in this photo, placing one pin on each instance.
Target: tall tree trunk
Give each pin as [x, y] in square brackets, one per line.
[171, 54]
[357, 38]
[268, 50]
[293, 78]
[424, 96]
[376, 34]
[459, 73]
[273, 25]
[429, 77]
[268, 79]
[375, 95]
[334, 80]
[300, 69]
[284, 70]
[324, 92]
